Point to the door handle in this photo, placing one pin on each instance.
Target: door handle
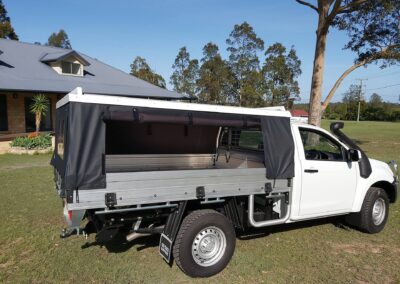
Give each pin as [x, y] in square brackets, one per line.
[311, 171]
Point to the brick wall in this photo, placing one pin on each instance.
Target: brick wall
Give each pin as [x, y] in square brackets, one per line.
[16, 110]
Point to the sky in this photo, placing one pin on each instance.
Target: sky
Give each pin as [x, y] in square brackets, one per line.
[117, 31]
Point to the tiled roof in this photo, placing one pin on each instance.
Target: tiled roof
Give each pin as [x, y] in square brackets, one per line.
[21, 69]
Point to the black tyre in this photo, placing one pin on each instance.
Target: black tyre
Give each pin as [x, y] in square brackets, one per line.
[374, 212]
[205, 243]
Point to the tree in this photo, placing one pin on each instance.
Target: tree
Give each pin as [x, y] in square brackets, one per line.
[280, 71]
[375, 100]
[372, 27]
[59, 39]
[352, 98]
[252, 90]
[243, 45]
[185, 73]
[215, 77]
[6, 29]
[377, 109]
[140, 69]
[39, 107]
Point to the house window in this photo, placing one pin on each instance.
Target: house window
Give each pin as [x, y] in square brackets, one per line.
[71, 68]
[3, 113]
[30, 120]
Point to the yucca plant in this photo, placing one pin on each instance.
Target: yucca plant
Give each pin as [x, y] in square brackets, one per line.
[39, 107]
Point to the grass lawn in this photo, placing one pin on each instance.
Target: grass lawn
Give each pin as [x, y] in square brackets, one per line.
[311, 252]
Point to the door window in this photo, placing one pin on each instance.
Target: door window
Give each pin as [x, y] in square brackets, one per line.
[319, 146]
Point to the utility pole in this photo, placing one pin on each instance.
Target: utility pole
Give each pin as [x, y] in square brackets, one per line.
[360, 96]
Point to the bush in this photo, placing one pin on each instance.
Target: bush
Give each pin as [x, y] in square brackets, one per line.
[36, 142]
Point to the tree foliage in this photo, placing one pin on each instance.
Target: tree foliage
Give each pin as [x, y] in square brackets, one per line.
[140, 69]
[280, 71]
[243, 45]
[215, 77]
[185, 74]
[239, 80]
[347, 110]
[375, 100]
[373, 30]
[352, 98]
[6, 29]
[59, 39]
[375, 109]
[39, 107]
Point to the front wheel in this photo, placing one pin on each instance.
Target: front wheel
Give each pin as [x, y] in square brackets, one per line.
[374, 212]
[205, 243]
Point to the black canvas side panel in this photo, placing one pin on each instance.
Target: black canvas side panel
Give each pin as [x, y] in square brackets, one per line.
[278, 147]
[86, 147]
[57, 160]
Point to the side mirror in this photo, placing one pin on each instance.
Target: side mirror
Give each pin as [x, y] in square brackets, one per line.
[353, 155]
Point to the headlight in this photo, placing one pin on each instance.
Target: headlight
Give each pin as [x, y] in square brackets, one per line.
[395, 169]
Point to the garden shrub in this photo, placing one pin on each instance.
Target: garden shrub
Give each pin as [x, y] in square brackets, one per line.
[42, 141]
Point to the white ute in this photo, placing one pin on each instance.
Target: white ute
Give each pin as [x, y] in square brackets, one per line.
[198, 175]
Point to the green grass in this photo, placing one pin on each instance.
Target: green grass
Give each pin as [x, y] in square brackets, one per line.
[311, 252]
[380, 140]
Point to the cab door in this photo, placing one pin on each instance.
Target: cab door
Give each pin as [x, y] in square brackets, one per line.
[328, 180]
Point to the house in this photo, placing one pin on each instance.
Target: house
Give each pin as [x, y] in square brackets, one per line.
[28, 69]
[300, 114]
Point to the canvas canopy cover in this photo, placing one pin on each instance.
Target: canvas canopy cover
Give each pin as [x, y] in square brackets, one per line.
[82, 137]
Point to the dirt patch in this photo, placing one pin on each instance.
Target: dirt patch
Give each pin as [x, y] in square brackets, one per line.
[359, 248]
[6, 264]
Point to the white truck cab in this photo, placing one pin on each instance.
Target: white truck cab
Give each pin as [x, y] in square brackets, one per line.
[198, 175]
[327, 182]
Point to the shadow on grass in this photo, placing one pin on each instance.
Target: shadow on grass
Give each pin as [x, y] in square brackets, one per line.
[359, 142]
[119, 244]
[254, 233]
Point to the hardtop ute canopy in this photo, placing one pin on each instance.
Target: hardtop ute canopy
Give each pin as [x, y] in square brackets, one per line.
[82, 140]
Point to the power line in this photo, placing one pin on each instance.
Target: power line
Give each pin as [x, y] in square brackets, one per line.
[383, 75]
[384, 87]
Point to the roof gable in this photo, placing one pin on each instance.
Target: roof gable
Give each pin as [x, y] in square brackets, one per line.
[59, 56]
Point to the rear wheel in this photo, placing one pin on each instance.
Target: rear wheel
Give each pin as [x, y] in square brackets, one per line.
[205, 243]
[374, 212]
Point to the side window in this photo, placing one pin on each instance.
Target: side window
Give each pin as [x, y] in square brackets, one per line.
[318, 146]
[251, 139]
[247, 139]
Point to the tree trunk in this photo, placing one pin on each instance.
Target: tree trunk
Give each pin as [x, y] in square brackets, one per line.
[338, 82]
[315, 107]
[38, 120]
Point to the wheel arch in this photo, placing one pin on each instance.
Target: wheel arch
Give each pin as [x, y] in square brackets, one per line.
[389, 188]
